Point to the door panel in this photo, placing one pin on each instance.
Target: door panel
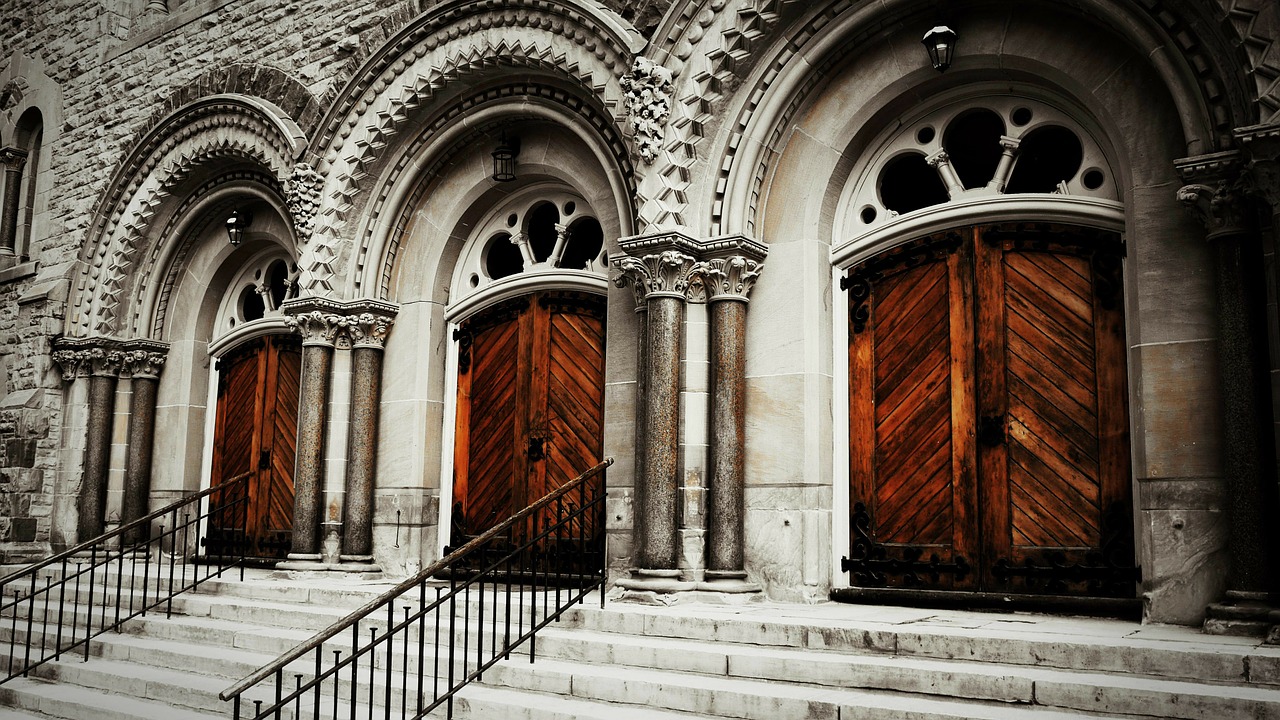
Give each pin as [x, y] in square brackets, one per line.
[256, 431]
[988, 429]
[530, 405]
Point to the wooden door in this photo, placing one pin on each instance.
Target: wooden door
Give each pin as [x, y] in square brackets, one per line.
[988, 423]
[529, 406]
[256, 431]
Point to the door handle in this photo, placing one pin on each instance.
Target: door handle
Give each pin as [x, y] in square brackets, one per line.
[991, 431]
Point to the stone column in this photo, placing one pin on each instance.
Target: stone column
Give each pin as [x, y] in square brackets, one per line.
[642, 382]
[661, 265]
[368, 331]
[12, 160]
[100, 358]
[1214, 196]
[318, 323]
[728, 279]
[142, 361]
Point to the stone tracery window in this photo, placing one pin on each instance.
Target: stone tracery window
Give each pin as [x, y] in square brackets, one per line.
[258, 291]
[999, 145]
[541, 232]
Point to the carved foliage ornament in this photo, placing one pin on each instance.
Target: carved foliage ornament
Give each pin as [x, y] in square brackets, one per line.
[302, 197]
[88, 361]
[667, 273]
[648, 97]
[317, 327]
[1220, 206]
[728, 278]
[369, 330]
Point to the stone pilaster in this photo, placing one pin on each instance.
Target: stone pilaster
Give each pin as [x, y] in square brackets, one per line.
[319, 322]
[100, 359]
[12, 160]
[142, 360]
[368, 329]
[642, 382]
[1214, 195]
[659, 265]
[728, 272]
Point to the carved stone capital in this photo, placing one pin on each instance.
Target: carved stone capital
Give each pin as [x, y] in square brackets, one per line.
[87, 356]
[1215, 193]
[1261, 144]
[12, 158]
[648, 98]
[143, 358]
[728, 278]
[317, 320]
[938, 158]
[661, 274]
[369, 323]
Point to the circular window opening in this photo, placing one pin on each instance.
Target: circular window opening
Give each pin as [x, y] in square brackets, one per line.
[972, 141]
[1021, 116]
[512, 220]
[586, 239]
[570, 207]
[1093, 179]
[502, 257]
[1046, 156]
[868, 215]
[925, 135]
[908, 183]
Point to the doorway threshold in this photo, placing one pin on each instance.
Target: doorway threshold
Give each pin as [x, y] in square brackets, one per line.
[1119, 608]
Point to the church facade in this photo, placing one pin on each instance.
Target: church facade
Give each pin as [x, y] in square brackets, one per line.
[851, 317]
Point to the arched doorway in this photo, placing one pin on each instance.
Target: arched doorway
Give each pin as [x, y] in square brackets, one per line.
[256, 415]
[988, 425]
[530, 361]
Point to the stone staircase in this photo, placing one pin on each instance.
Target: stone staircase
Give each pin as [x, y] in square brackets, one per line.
[764, 661]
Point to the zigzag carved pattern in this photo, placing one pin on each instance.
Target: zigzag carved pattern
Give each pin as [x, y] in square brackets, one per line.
[1256, 23]
[1053, 415]
[913, 407]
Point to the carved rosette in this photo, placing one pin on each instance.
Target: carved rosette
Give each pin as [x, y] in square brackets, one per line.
[648, 97]
[728, 278]
[663, 274]
[302, 197]
[317, 327]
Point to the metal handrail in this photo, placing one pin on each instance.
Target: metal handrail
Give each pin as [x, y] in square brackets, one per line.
[56, 618]
[455, 563]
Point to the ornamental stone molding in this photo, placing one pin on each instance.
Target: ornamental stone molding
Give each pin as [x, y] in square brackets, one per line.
[442, 48]
[78, 357]
[370, 323]
[1215, 193]
[143, 358]
[1261, 145]
[302, 198]
[204, 132]
[12, 158]
[648, 95]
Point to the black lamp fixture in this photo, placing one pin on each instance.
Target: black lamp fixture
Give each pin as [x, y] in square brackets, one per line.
[504, 159]
[237, 223]
[941, 44]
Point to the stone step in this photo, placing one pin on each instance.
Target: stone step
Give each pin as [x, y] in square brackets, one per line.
[754, 699]
[72, 702]
[1145, 652]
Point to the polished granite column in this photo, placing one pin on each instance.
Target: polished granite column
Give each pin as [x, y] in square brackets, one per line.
[660, 265]
[319, 324]
[1214, 195]
[143, 360]
[368, 330]
[12, 160]
[100, 358]
[728, 274]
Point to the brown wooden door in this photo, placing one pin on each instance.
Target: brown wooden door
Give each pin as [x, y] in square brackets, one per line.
[529, 407]
[256, 431]
[988, 422]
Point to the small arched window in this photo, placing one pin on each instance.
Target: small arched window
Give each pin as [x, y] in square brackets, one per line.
[20, 163]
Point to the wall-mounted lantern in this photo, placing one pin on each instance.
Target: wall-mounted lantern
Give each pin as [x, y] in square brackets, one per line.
[941, 44]
[504, 159]
[237, 223]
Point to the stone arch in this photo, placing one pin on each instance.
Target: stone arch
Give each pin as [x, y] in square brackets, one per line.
[212, 136]
[411, 80]
[31, 118]
[280, 89]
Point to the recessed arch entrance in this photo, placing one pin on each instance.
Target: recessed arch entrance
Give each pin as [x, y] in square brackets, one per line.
[988, 442]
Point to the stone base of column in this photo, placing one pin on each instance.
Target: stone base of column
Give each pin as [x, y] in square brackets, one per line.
[728, 581]
[656, 581]
[1255, 614]
[301, 565]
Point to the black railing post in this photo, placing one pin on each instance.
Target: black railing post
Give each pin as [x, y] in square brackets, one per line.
[88, 620]
[62, 601]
